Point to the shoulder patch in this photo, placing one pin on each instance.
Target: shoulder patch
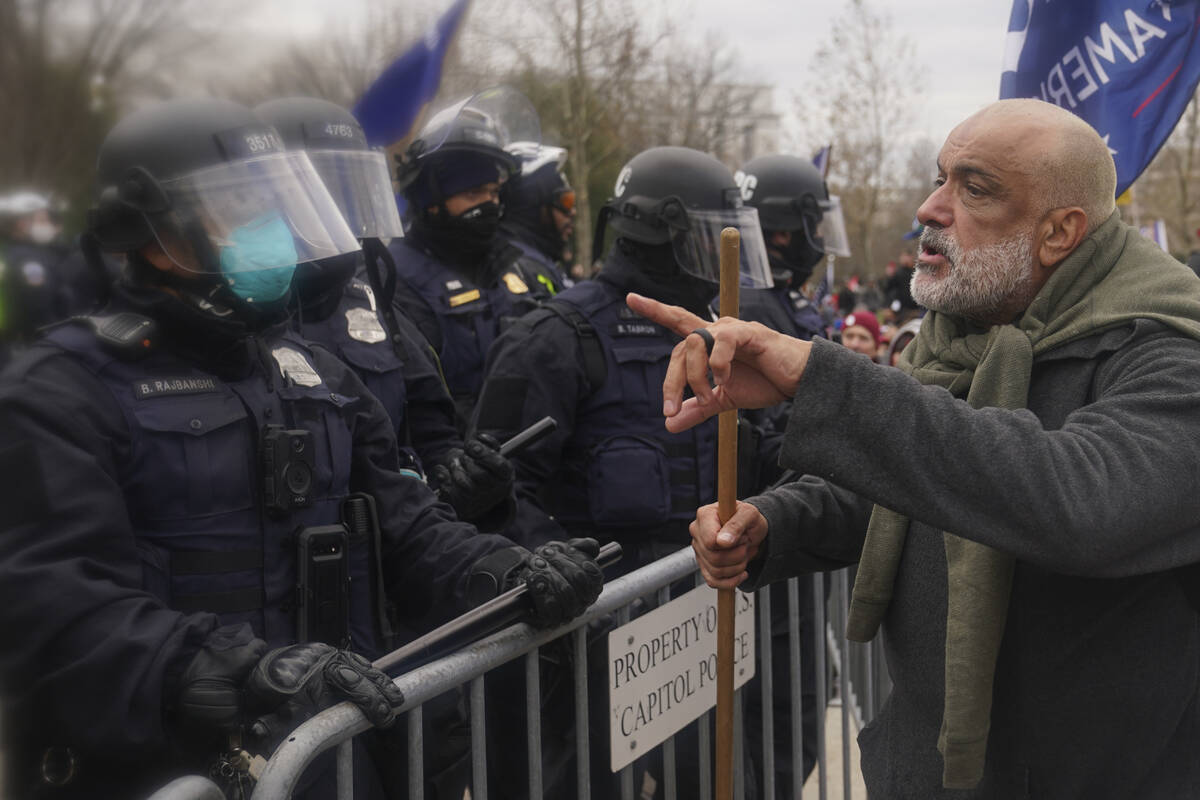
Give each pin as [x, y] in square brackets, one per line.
[294, 365]
[168, 385]
[514, 283]
[463, 298]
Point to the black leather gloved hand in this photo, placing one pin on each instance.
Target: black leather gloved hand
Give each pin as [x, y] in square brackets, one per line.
[474, 479]
[291, 684]
[563, 578]
[208, 706]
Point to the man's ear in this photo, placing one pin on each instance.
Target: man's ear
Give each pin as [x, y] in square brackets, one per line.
[1059, 233]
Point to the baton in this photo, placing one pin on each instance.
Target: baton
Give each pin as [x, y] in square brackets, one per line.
[499, 612]
[528, 436]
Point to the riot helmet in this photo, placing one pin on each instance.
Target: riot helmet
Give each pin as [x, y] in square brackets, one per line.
[27, 216]
[684, 198]
[20, 203]
[464, 144]
[356, 175]
[459, 152]
[358, 178]
[537, 190]
[212, 185]
[791, 196]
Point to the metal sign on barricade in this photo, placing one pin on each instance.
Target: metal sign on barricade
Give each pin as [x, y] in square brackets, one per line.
[662, 670]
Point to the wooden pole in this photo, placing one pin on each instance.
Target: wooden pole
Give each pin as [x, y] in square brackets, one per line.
[726, 504]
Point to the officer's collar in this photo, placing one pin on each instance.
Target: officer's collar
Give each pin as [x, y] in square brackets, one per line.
[216, 343]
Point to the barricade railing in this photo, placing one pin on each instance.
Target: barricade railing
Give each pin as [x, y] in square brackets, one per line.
[851, 672]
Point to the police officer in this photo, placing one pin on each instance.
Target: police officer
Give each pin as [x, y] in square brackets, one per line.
[611, 470]
[32, 293]
[539, 214]
[173, 468]
[792, 202]
[348, 315]
[458, 295]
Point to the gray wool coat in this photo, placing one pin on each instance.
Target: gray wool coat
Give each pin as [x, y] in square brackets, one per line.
[1095, 489]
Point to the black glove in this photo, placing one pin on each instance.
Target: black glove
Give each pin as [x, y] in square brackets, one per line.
[209, 703]
[474, 479]
[563, 578]
[291, 684]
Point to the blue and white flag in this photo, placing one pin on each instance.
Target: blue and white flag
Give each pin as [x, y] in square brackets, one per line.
[1128, 67]
[391, 105]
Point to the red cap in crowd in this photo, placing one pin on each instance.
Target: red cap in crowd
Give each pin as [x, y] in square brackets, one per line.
[863, 319]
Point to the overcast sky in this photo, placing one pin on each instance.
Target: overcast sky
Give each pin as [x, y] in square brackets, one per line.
[960, 43]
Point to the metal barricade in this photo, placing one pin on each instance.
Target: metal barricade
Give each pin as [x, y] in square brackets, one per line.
[849, 672]
[189, 787]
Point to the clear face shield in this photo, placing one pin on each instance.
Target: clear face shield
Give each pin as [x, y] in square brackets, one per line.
[361, 187]
[697, 247]
[493, 118]
[263, 213]
[533, 156]
[830, 234]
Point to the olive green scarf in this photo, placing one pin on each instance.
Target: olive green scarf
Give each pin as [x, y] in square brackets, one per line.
[1115, 276]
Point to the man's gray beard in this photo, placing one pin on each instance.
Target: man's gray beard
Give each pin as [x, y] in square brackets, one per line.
[977, 281]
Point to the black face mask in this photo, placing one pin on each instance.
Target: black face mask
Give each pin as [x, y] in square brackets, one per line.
[799, 258]
[466, 238]
[651, 270]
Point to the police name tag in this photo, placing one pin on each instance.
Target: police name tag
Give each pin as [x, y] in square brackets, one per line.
[662, 669]
[636, 329]
[363, 326]
[294, 366]
[155, 387]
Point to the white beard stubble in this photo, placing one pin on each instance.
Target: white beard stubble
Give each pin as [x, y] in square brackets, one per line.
[977, 281]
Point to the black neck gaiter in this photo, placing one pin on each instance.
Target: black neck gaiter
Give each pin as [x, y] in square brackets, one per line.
[463, 241]
[651, 270]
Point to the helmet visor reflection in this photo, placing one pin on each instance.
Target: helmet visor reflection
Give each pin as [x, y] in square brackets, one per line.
[830, 235]
[214, 208]
[698, 249]
[360, 184]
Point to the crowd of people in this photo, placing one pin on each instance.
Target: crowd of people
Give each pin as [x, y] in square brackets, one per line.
[254, 426]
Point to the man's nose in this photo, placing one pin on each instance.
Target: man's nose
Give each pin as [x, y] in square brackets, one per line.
[935, 212]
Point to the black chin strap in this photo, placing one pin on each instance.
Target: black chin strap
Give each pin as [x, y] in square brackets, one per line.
[381, 274]
[92, 256]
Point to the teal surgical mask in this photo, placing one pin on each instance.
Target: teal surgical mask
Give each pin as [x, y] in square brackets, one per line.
[259, 261]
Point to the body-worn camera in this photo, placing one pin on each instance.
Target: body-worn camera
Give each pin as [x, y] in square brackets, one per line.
[287, 456]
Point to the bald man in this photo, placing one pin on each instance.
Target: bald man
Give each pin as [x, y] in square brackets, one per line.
[1020, 498]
